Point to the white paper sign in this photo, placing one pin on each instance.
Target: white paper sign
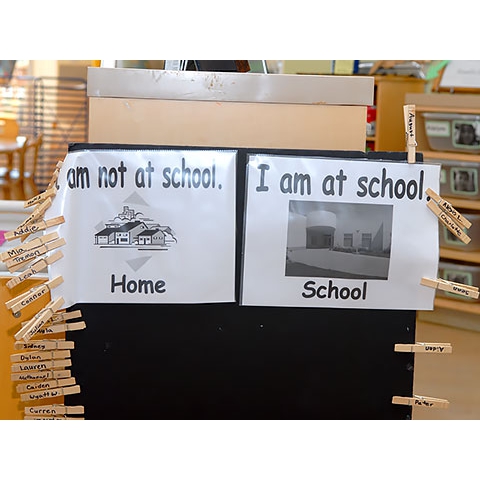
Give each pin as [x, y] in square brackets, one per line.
[322, 232]
[146, 226]
[461, 74]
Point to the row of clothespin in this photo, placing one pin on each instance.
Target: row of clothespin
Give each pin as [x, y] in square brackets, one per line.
[438, 206]
[40, 368]
[458, 225]
[418, 400]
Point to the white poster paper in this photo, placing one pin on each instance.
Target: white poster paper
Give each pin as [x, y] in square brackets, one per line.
[323, 232]
[146, 226]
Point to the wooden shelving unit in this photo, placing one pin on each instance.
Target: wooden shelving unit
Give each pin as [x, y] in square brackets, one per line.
[389, 98]
[457, 103]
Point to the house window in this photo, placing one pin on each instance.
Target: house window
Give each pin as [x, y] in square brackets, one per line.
[348, 240]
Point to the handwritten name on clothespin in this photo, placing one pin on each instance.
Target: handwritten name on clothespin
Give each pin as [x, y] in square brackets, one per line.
[51, 393]
[29, 387]
[448, 221]
[37, 213]
[423, 347]
[421, 401]
[35, 267]
[36, 242]
[61, 327]
[50, 192]
[45, 345]
[21, 301]
[36, 366]
[38, 321]
[21, 261]
[25, 231]
[39, 375]
[448, 208]
[55, 410]
[452, 287]
[409, 117]
[37, 355]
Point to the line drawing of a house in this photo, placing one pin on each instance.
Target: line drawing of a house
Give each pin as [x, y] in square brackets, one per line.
[151, 237]
[127, 229]
[121, 235]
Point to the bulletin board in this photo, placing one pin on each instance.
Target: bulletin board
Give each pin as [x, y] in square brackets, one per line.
[226, 360]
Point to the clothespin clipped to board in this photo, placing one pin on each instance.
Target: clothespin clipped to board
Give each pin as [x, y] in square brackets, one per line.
[452, 287]
[50, 192]
[34, 268]
[49, 393]
[423, 347]
[453, 220]
[32, 327]
[24, 231]
[37, 242]
[421, 401]
[23, 300]
[448, 208]
[55, 410]
[409, 117]
[37, 375]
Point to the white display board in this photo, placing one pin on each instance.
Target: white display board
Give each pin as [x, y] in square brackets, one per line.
[146, 226]
[324, 232]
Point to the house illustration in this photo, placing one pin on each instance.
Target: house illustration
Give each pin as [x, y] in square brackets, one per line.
[151, 237]
[127, 229]
[121, 235]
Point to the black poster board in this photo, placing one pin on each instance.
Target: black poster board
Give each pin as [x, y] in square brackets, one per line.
[225, 361]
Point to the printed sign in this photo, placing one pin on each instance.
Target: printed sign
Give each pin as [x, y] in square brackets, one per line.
[323, 232]
[146, 226]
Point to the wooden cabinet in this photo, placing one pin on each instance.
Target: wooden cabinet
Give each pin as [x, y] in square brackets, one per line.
[453, 103]
[389, 99]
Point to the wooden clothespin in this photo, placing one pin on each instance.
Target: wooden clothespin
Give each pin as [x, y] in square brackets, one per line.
[35, 267]
[23, 300]
[51, 393]
[36, 356]
[448, 208]
[64, 316]
[36, 366]
[54, 417]
[36, 242]
[24, 231]
[61, 327]
[50, 192]
[45, 345]
[24, 259]
[423, 347]
[59, 417]
[31, 376]
[37, 213]
[38, 321]
[409, 117]
[55, 410]
[448, 221]
[421, 401]
[452, 287]
[32, 386]
[55, 174]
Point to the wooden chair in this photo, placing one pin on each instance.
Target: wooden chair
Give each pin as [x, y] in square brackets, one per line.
[9, 132]
[18, 181]
[28, 167]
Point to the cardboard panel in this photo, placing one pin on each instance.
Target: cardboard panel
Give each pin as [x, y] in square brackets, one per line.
[196, 123]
